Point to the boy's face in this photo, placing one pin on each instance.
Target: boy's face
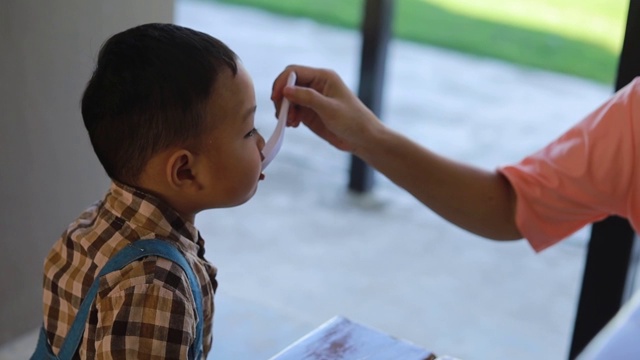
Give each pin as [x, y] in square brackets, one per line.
[233, 147]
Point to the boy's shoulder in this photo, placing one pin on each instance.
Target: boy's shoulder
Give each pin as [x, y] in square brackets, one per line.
[151, 276]
[141, 291]
[93, 238]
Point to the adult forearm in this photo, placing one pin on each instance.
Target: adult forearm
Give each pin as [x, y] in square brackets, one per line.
[477, 200]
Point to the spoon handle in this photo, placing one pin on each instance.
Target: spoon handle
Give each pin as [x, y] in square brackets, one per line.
[273, 145]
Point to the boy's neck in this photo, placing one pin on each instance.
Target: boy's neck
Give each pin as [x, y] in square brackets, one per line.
[186, 216]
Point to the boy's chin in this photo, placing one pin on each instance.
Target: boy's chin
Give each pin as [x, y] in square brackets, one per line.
[250, 195]
[244, 199]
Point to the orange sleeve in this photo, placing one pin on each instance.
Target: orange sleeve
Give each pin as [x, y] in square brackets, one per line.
[585, 175]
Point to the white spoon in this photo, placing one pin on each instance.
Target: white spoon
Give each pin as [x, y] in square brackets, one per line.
[274, 143]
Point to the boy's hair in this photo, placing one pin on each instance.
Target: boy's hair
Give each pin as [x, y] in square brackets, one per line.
[148, 92]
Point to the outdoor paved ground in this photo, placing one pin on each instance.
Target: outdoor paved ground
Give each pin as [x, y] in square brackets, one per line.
[304, 249]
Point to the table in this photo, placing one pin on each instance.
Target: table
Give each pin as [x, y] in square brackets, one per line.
[342, 339]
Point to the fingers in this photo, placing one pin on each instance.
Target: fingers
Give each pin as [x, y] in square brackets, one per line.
[308, 75]
[306, 97]
[294, 116]
[279, 83]
[277, 94]
[305, 76]
[311, 95]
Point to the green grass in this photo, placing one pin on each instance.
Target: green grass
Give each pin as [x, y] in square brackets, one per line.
[581, 38]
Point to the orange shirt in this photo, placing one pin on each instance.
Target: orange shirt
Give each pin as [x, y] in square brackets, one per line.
[584, 176]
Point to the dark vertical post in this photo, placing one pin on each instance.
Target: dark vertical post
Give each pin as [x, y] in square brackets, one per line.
[612, 240]
[376, 32]
[604, 279]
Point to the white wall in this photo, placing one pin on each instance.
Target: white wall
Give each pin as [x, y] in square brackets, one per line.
[48, 172]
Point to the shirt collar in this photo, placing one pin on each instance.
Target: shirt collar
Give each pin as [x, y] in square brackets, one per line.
[146, 211]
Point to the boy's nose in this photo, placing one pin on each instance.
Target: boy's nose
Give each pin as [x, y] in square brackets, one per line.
[261, 141]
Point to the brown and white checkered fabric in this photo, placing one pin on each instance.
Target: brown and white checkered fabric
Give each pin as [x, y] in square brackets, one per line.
[144, 311]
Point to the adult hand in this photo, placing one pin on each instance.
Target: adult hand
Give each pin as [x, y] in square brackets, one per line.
[321, 101]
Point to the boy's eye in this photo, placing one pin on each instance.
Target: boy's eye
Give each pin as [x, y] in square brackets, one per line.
[251, 133]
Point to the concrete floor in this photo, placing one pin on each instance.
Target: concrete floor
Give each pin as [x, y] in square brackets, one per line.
[304, 249]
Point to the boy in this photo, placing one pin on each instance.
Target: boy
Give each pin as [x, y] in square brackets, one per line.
[169, 112]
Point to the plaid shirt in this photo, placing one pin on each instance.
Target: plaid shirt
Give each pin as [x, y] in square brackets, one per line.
[144, 311]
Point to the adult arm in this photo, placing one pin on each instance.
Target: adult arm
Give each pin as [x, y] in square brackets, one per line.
[585, 175]
[477, 200]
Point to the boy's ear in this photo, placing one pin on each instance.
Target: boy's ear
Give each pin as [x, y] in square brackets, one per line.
[181, 170]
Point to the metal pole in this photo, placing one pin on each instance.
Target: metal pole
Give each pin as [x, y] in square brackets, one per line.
[376, 32]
